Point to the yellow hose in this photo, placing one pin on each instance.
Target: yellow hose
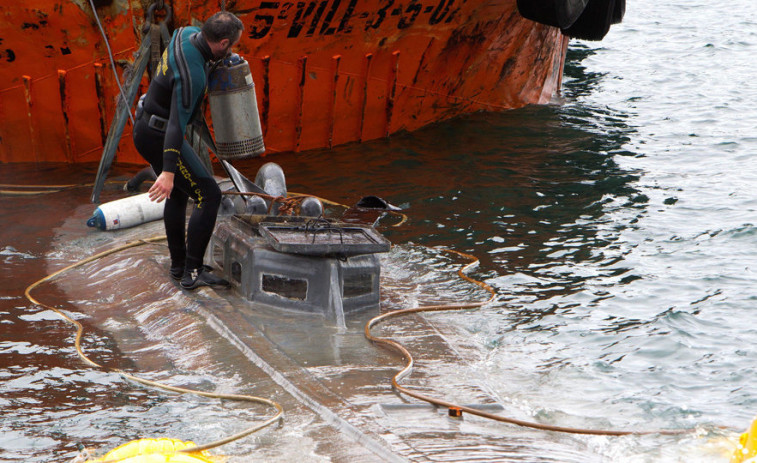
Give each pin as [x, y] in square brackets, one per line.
[9, 189]
[474, 411]
[147, 382]
[367, 330]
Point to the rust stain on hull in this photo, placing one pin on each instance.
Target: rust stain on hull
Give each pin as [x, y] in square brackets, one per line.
[331, 71]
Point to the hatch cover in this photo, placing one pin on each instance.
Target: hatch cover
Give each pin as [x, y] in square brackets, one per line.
[323, 238]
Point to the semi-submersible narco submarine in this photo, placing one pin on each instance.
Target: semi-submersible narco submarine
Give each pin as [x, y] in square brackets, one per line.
[291, 258]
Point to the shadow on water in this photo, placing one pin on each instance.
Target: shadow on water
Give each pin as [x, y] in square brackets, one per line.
[577, 80]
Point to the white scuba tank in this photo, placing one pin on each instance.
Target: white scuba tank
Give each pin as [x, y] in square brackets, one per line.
[126, 212]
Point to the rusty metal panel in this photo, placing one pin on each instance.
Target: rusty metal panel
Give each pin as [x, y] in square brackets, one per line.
[399, 67]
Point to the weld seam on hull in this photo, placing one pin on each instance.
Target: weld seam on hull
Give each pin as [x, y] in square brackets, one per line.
[4, 156]
[332, 107]
[28, 96]
[266, 61]
[100, 92]
[302, 65]
[364, 102]
[64, 107]
[391, 90]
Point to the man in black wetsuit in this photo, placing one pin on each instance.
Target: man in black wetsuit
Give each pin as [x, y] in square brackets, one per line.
[174, 95]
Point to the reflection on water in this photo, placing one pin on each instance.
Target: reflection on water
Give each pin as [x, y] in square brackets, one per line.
[525, 191]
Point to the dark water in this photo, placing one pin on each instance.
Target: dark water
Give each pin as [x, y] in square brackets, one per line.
[616, 225]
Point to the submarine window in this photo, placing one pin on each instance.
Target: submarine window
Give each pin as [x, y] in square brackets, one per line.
[289, 288]
[236, 271]
[218, 255]
[357, 285]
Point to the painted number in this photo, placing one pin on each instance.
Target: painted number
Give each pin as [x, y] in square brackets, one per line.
[263, 22]
[321, 17]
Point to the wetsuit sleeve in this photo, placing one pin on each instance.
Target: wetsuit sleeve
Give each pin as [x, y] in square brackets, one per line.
[174, 136]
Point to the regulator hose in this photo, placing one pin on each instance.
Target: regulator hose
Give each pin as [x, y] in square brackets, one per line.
[474, 411]
[80, 330]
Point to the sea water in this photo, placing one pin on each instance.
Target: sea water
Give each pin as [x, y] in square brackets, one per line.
[617, 226]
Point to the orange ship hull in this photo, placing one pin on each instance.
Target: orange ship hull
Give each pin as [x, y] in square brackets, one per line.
[327, 72]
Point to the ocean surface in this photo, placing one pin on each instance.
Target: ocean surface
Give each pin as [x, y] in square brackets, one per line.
[618, 226]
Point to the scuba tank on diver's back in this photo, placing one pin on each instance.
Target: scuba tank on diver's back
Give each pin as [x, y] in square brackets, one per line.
[234, 110]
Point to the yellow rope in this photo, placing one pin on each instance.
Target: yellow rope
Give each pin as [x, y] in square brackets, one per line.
[28, 190]
[147, 382]
[46, 187]
[323, 200]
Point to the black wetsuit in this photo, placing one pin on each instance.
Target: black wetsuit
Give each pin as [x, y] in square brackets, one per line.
[175, 93]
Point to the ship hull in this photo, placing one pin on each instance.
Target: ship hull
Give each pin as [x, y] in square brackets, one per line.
[327, 72]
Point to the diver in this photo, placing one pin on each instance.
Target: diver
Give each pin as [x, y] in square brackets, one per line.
[172, 99]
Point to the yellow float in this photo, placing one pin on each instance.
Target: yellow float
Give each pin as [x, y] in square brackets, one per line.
[163, 450]
[746, 452]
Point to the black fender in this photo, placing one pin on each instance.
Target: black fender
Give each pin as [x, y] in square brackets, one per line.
[580, 19]
[557, 13]
[596, 19]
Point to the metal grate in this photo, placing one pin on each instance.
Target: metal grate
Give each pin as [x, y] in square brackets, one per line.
[323, 238]
[230, 151]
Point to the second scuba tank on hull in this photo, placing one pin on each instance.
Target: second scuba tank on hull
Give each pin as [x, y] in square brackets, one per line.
[234, 110]
[126, 212]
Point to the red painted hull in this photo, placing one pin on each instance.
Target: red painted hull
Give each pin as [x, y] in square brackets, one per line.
[327, 72]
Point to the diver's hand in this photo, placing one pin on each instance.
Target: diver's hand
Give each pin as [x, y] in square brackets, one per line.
[162, 187]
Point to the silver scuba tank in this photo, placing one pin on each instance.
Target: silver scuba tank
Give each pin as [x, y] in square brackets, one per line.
[234, 110]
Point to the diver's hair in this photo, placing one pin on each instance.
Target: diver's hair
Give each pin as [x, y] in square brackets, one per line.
[222, 25]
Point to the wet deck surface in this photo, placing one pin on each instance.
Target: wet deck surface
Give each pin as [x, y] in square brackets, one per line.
[334, 384]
